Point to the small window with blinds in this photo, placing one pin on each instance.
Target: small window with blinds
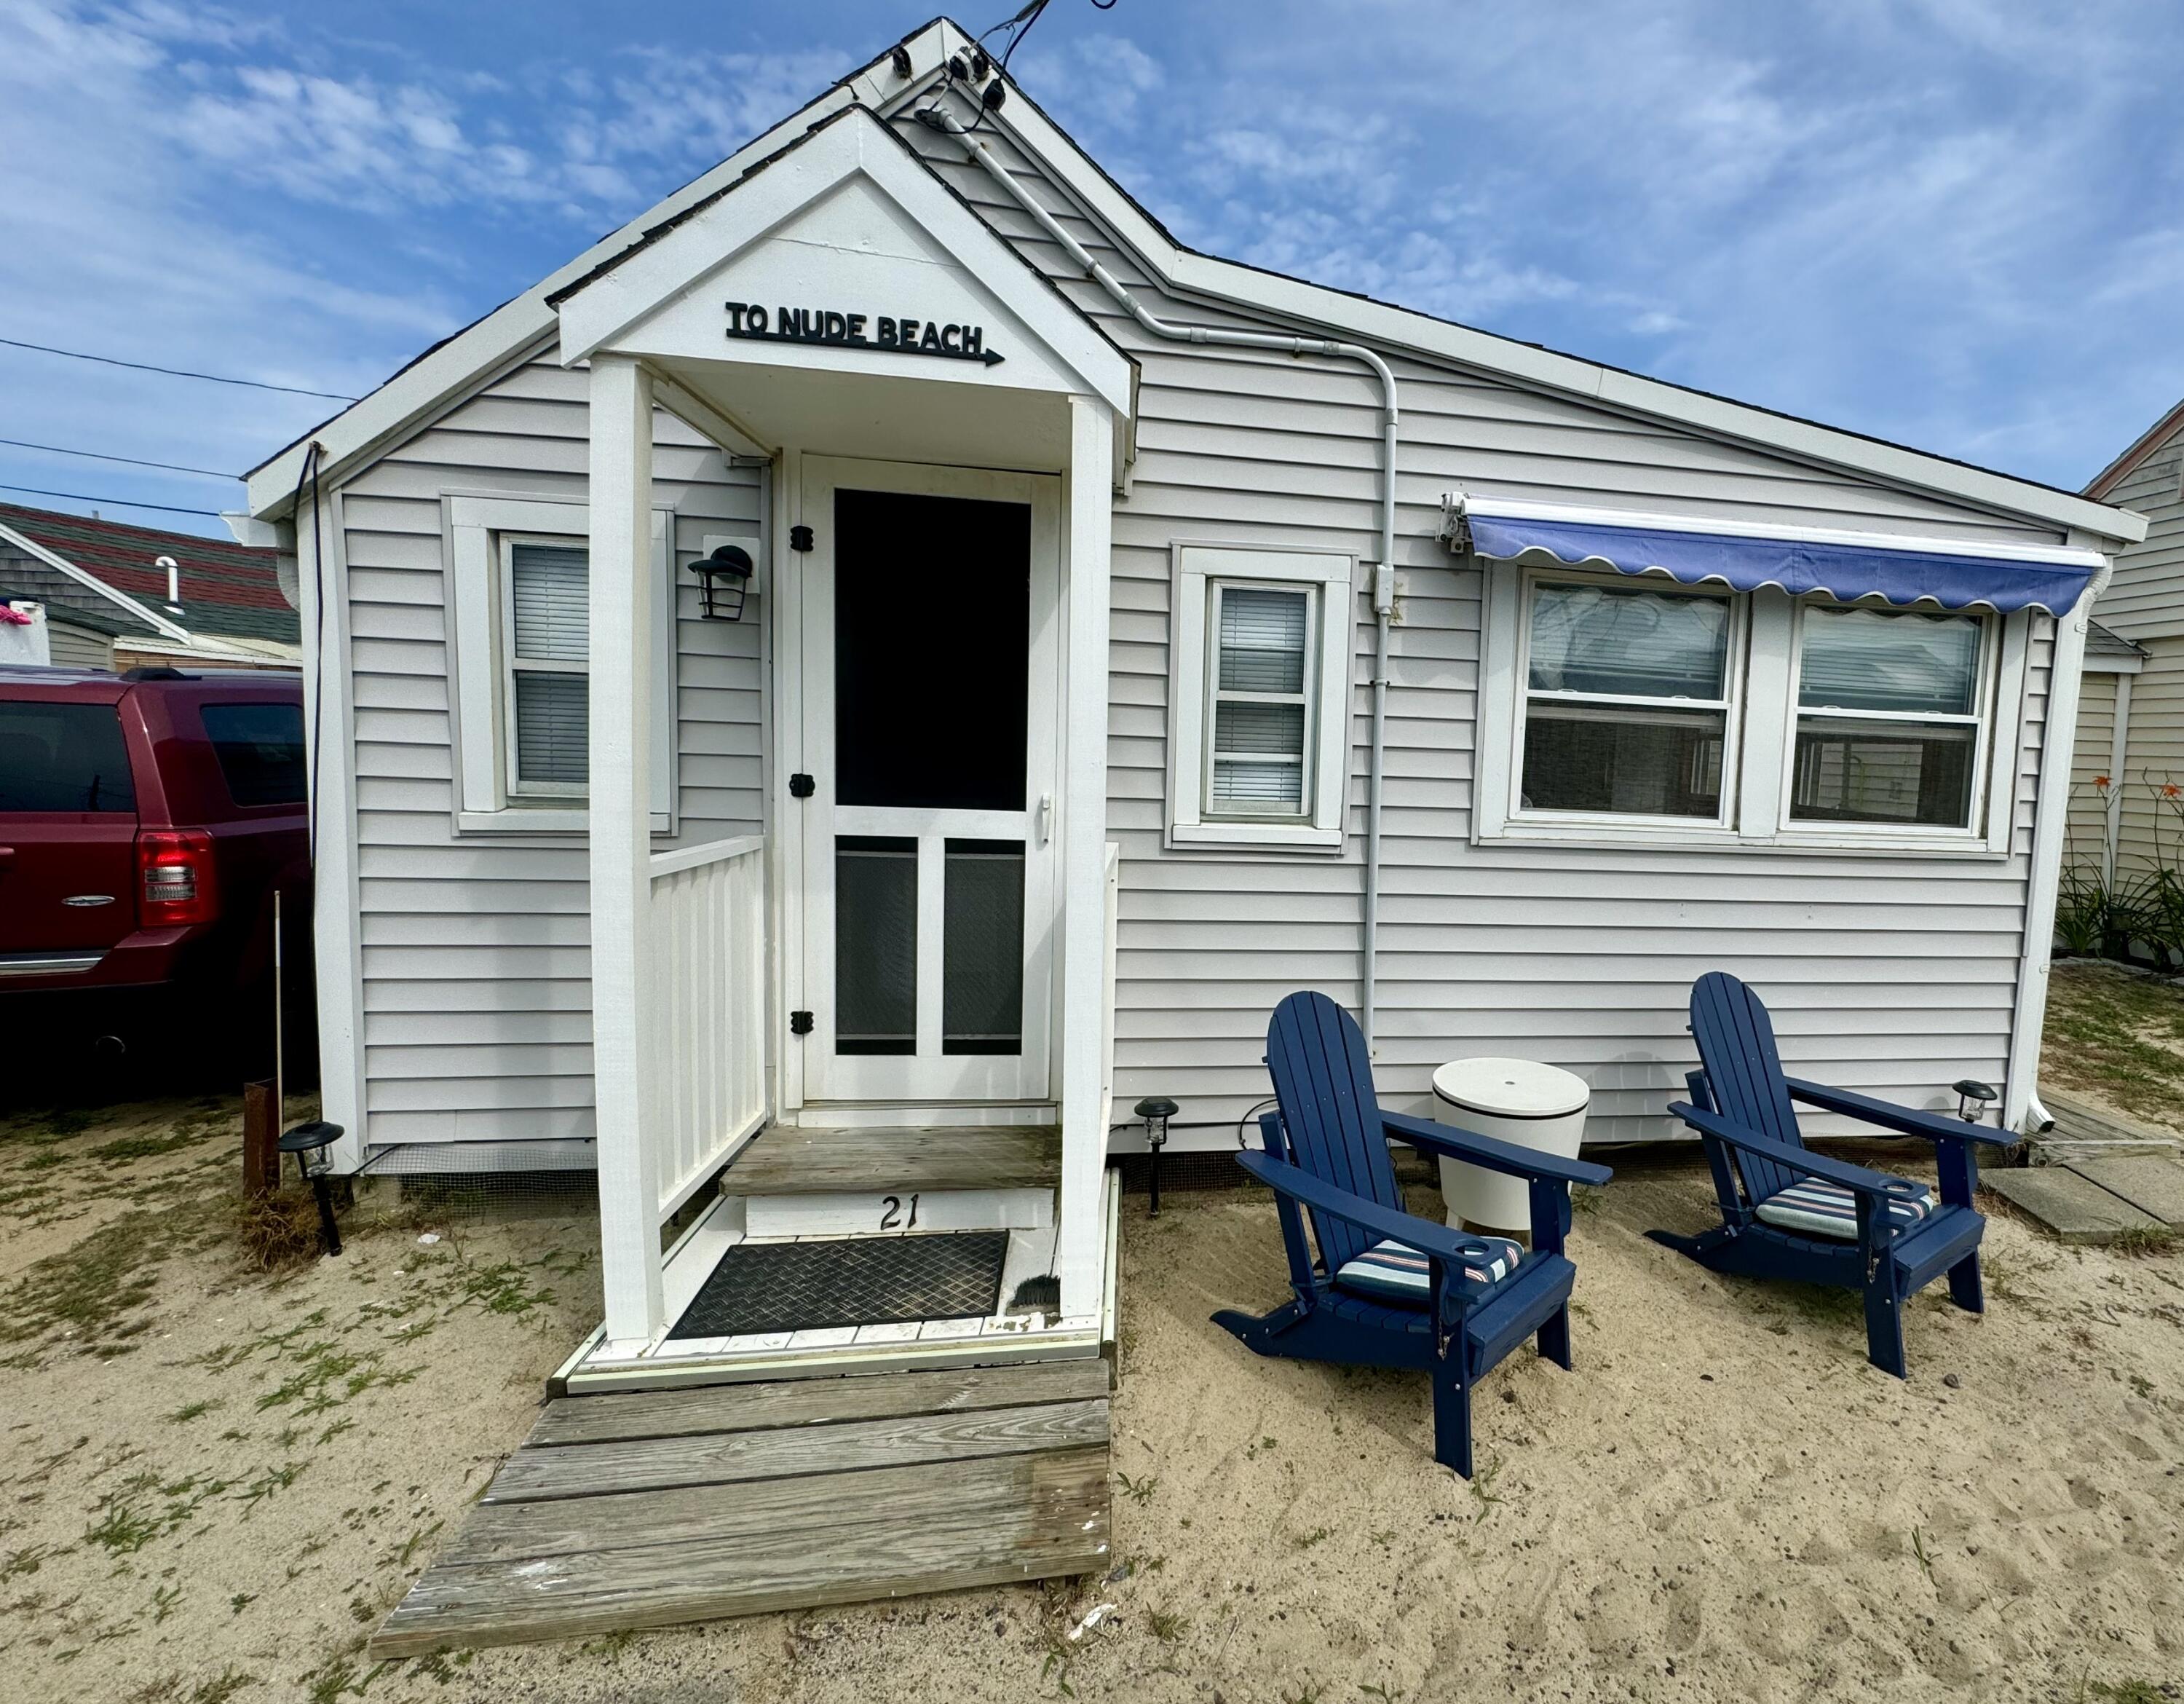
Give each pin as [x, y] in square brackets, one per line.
[1262, 643]
[1890, 728]
[1259, 702]
[546, 656]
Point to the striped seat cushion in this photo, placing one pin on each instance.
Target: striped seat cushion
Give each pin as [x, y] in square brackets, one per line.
[1389, 1272]
[1829, 1210]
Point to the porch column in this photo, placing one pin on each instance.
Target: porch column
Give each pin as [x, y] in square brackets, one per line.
[1081, 1238]
[621, 796]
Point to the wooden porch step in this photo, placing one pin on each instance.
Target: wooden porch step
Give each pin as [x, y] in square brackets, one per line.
[645, 1509]
[782, 1161]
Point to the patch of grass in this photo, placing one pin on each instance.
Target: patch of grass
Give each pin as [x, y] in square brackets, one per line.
[1921, 1554]
[2128, 1692]
[192, 1411]
[2118, 1035]
[148, 1147]
[1308, 1693]
[2139, 1240]
[610, 1645]
[1167, 1628]
[86, 1291]
[164, 1601]
[1482, 1489]
[241, 1602]
[1139, 1490]
[1372, 1689]
[27, 1561]
[1265, 1446]
[269, 1481]
[1317, 1535]
[144, 1507]
[221, 1687]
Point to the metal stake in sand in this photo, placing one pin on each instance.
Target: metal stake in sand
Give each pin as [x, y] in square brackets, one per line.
[309, 1142]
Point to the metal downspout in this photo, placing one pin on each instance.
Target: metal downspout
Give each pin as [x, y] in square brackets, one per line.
[2057, 747]
[1384, 572]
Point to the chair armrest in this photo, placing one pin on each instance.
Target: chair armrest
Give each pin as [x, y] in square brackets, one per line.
[1495, 1155]
[1904, 1120]
[1390, 1224]
[1858, 1179]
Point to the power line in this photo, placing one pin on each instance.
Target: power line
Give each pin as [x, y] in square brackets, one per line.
[173, 372]
[111, 502]
[132, 461]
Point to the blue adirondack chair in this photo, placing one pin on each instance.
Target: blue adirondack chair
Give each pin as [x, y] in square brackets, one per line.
[1789, 1213]
[1391, 1289]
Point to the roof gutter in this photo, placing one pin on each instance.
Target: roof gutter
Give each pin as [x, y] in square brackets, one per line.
[1383, 574]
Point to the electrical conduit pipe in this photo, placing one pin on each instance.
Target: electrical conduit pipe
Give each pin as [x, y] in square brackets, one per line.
[1384, 572]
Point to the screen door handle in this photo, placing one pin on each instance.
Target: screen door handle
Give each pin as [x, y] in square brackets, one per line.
[1046, 820]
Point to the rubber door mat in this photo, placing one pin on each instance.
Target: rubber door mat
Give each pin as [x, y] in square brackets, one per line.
[853, 1281]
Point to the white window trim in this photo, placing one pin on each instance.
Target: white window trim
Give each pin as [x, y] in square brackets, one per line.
[475, 523]
[1758, 815]
[520, 792]
[1729, 704]
[1196, 569]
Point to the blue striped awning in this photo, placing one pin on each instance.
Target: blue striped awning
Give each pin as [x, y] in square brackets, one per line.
[1847, 566]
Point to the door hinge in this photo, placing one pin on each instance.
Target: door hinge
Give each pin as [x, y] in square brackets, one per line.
[802, 785]
[800, 537]
[799, 1023]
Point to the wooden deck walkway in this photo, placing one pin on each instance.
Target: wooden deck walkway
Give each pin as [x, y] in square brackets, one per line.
[784, 1161]
[645, 1509]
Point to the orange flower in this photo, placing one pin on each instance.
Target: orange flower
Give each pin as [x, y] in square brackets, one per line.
[2170, 789]
[2100, 780]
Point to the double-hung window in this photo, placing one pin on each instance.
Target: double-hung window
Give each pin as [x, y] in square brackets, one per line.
[519, 616]
[1621, 707]
[1888, 725]
[1258, 710]
[545, 657]
[1630, 697]
[1259, 702]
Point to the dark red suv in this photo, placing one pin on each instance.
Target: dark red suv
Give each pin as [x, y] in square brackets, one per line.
[146, 821]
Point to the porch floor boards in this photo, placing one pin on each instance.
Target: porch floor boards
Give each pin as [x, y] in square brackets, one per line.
[782, 1161]
[645, 1509]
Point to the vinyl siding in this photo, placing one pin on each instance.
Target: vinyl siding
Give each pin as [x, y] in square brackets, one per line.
[2145, 600]
[1892, 976]
[476, 947]
[2152, 832]
[2088, 828]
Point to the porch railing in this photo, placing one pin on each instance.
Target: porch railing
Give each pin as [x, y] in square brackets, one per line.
[705, 1055]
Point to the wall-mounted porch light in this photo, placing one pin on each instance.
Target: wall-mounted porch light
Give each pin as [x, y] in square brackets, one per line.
[725, 579]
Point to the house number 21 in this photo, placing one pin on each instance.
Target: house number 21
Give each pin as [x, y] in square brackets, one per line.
[893, 1215]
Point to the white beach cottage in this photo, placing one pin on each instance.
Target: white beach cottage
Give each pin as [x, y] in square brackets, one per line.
[1133, 637]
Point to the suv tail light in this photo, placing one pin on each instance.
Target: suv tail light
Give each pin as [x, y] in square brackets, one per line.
[175, 881]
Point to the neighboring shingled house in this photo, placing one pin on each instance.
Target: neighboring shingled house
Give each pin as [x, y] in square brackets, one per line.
[108, 577]
[2131, 715]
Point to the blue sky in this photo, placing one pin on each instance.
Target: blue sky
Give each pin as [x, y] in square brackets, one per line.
[1955, 224]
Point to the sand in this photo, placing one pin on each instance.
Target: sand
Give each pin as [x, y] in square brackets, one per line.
[1722, 1502]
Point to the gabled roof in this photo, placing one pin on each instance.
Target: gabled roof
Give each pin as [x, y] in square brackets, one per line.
[443, 373]
[2144, 446]
[228, 591]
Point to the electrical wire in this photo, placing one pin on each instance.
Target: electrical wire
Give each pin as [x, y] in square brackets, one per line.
[175, 371]
[309, 469]
[110, 502]
[129, 460]
[1021, 25]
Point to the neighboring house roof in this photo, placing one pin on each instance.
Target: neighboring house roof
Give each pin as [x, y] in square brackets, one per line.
[440, 375]
[2144, 446]
[113, 624]
[228, 591]
[66, 597]
[2101, 642]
